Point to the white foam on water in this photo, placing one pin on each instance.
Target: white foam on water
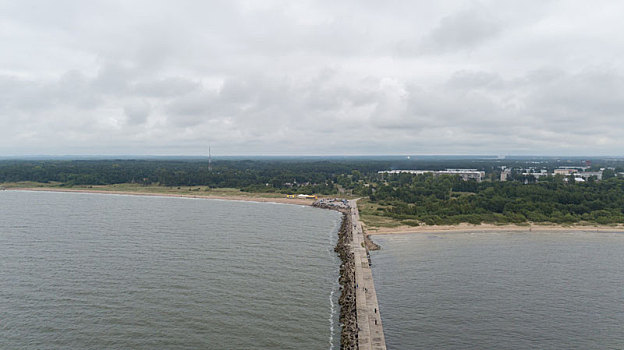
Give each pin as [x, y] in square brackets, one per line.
[335, 286]
[332, 313]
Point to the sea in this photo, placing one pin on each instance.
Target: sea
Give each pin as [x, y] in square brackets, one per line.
[103, 271]
[501, 290]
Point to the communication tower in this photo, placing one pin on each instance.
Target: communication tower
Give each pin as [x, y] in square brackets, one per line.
[209, 160]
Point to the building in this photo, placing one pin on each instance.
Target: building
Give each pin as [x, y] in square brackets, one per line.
[465, 174]
[579, 172]
[565, 171]
[587, 174]
[505, 174]
[537, 175]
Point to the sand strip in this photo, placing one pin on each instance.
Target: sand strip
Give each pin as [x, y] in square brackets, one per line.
[490, 227]
[296, 201]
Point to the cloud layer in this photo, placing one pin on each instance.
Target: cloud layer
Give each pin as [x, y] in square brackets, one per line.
[311, 77]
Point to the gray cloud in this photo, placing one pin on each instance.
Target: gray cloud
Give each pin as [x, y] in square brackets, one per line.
[463, 30]
[137, 111]
[282, 77]
[167, 87]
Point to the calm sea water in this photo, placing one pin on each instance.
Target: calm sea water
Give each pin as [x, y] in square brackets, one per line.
[560, 290]
[90, 271]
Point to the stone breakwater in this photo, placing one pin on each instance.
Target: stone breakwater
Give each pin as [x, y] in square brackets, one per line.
[347, 302]
[359, 310]
[344, 206]
[348, 310]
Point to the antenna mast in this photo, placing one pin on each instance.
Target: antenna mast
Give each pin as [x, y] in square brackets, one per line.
[209, 160]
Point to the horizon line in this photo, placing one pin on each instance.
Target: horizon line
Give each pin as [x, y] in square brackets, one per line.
[143, 156]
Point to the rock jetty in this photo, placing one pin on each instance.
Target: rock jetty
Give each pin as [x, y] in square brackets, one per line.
[359, 310]
[348, 311]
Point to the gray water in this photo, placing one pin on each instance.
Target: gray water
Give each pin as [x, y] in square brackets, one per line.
[488, 290]
[91, 271]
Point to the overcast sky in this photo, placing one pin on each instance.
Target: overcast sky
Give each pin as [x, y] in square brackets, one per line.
[311, 77]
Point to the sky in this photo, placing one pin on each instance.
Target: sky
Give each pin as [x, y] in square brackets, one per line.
[349, 77]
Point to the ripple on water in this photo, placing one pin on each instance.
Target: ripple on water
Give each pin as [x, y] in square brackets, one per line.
[555, 290]
[95, 271]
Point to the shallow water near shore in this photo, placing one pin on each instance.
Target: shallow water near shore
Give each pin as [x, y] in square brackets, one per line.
[93, 271]
[501, 290]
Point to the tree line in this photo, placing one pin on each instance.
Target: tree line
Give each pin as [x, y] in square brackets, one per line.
[248, 175]
[449, 200]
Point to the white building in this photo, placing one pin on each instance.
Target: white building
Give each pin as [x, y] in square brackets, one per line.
[565, 171]
[587, 174]
[465, 174]
[505, 174]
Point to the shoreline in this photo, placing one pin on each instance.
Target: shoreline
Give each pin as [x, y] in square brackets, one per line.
[295, 201]
[490, 228]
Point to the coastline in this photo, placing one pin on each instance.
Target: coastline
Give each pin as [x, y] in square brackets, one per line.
[295, 201]
[464, 227]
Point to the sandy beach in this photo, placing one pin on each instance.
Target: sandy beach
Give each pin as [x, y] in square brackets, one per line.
[487, 227]
[296, 201]
[464, 227]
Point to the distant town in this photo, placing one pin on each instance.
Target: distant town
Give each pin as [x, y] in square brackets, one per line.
[523, 174]
[578, 174]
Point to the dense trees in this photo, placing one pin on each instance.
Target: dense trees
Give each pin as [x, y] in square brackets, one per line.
[255, 176]
[449, 200]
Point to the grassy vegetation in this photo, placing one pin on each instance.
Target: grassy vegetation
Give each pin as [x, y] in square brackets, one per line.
[374, 218]
[29, 184]
[150, 189]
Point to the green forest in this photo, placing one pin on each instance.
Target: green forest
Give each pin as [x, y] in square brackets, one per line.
[284, 176]
[449, 200]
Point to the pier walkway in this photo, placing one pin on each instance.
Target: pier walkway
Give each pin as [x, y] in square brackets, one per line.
[370, 334]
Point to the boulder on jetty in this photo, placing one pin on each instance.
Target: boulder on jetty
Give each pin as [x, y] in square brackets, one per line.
[348, 313]
[332, 203]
